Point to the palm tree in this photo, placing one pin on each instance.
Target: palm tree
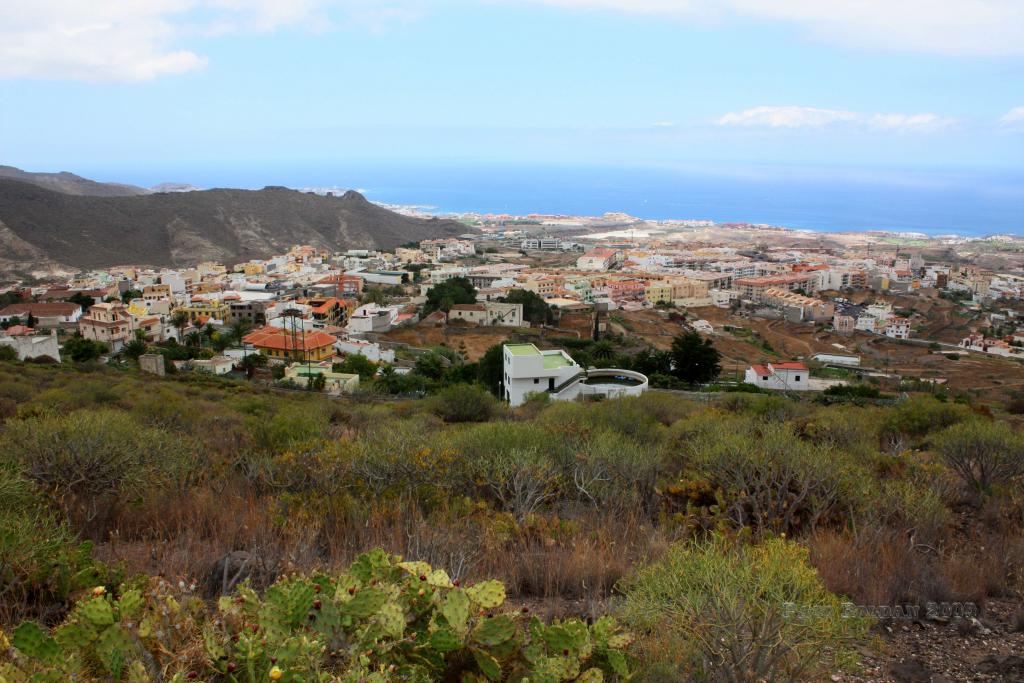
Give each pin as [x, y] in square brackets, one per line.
[179, 319]
[251, 362]
[193, 338]
[239, 330]
[220, 341]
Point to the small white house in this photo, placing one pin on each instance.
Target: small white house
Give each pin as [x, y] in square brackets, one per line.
[790, 376]
[488, 313]
[371, 350]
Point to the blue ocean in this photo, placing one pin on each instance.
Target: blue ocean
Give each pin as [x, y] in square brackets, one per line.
[935, 202]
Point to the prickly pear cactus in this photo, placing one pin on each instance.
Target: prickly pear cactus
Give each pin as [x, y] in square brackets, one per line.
[384, 620]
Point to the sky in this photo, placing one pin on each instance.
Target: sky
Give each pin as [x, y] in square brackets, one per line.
[142, 88]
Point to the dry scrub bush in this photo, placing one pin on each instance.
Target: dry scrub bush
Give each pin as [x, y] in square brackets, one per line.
[984, 454]
[723, 610]
[771, 480]
[91, 461]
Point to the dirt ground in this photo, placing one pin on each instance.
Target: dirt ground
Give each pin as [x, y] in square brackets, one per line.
[472, 341]
[988, 649]
[991, 378]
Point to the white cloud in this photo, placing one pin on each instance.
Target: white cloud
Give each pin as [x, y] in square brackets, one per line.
[960, 27]
[910, 122]
[786, 117]
[137, 40]
[134, 40]
[1014, 117]
[814, 117]
[126, 40]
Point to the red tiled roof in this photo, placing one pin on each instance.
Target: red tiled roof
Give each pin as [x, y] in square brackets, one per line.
[277, 338]
[47, 309]
[789, 365]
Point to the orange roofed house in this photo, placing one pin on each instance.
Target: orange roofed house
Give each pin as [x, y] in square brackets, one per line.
[280, 344]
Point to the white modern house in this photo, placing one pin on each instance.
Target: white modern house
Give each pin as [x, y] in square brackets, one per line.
[529, 370]
[791, 376]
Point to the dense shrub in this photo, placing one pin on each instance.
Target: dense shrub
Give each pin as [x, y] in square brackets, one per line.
[908, 425]
[464, 403]
[92, 459]
[770, 479]
[723, 610]
[985, 454]
[853, 391]
[41, 563]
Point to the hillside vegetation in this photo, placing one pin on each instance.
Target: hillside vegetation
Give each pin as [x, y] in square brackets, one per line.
[194, 528]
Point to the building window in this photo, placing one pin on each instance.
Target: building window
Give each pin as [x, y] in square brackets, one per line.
[764, 378]
[536, 380]
[797, 378]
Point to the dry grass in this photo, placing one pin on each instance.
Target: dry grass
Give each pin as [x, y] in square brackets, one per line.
[571, 561]
[880, 568]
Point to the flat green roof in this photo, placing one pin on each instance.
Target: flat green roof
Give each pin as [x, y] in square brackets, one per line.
[555, 360]
[522, 349]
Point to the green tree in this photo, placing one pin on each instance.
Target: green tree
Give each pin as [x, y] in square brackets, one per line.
[375, 295]
[358, 364]
[536, 311]
[653, 362]
[239, 330]
[253, 361]
[220, 341]
[490, 370]
[136, 347]
[81, 349]
[695, 360]
[31, 320]
[431, 365]
[131, 294]
[442, 297]
[7, 353]
[83, 300]
[180, 320]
